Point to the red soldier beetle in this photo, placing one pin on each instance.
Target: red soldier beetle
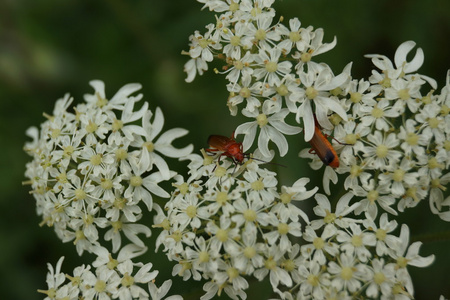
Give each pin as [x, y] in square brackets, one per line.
[228, 146]
[322, 147]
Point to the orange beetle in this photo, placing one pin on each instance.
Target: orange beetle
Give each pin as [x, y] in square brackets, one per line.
[322, 147]
[228, 146]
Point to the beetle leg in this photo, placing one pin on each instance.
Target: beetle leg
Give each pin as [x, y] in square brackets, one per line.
[340, 143]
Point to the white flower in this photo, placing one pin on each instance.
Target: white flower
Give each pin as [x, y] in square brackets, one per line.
[86, 222]
[236, 40]
[119, 206]
[212, 288]
[218, 5]
[360, 92]
[105, 257]
[432, 122]
[272, 267]
[414, 194]
[320, 245]
[380, 152]
[323, 210]
[349, 135]
[130, 230]
[54, 279]
[400, 177]
[296, 192]
[373, 195]
[383, 279]
[260, 185]
[281, 228]
[414, 141]
[203, 257]
[357, 242]
[272, 127]
[315, 282]
[93, 125]
[241, 66]
[139, 188]
[405, 92]
[202, 46]
[285, 92]
[194, 66]
[271, 70]
[376, 113]
[261, 33]
[357, 173]
[219, 200]
[316, 93]
[101, 285]
[95, 159]
[348, 273]
[222, 234]
[187, 212]
[295, 36]
[247, 255]
[406, 254]
[107, 184]
[129, 287]
[163, 144]
[79, 240]
[228, 275]
[68, 149]
[384, 240]
[250, 213]
[246, 91]
[123, 125]
[402, 66]
[122, 96]
[159, 293]
[313, 46]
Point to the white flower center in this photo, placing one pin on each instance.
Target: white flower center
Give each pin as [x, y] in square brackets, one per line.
[261, 120]
[295, 36]
[271, 67]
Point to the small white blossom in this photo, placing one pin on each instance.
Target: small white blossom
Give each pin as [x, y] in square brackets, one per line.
[272, 127]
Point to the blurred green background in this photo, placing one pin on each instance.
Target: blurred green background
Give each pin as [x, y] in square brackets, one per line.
[49, 48]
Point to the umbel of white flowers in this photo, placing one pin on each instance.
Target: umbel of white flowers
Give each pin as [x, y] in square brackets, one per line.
[95, 169]
[393, 130]
[395, 134]
[107, 278]
[93, 166]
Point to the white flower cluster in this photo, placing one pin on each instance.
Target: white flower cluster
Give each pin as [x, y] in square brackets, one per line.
[107, 278]
[397, 137]
[393, 138]
[97, 168]
[259, 60]
[226, 230]
[93, 167]
[392, 147]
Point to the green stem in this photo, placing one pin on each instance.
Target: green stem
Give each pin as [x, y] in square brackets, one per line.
[432, 237]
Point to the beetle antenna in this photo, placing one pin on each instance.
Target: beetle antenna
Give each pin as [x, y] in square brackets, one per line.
[249, 156]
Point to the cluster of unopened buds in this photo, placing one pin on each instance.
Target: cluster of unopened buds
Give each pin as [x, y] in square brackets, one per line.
[97, 169]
